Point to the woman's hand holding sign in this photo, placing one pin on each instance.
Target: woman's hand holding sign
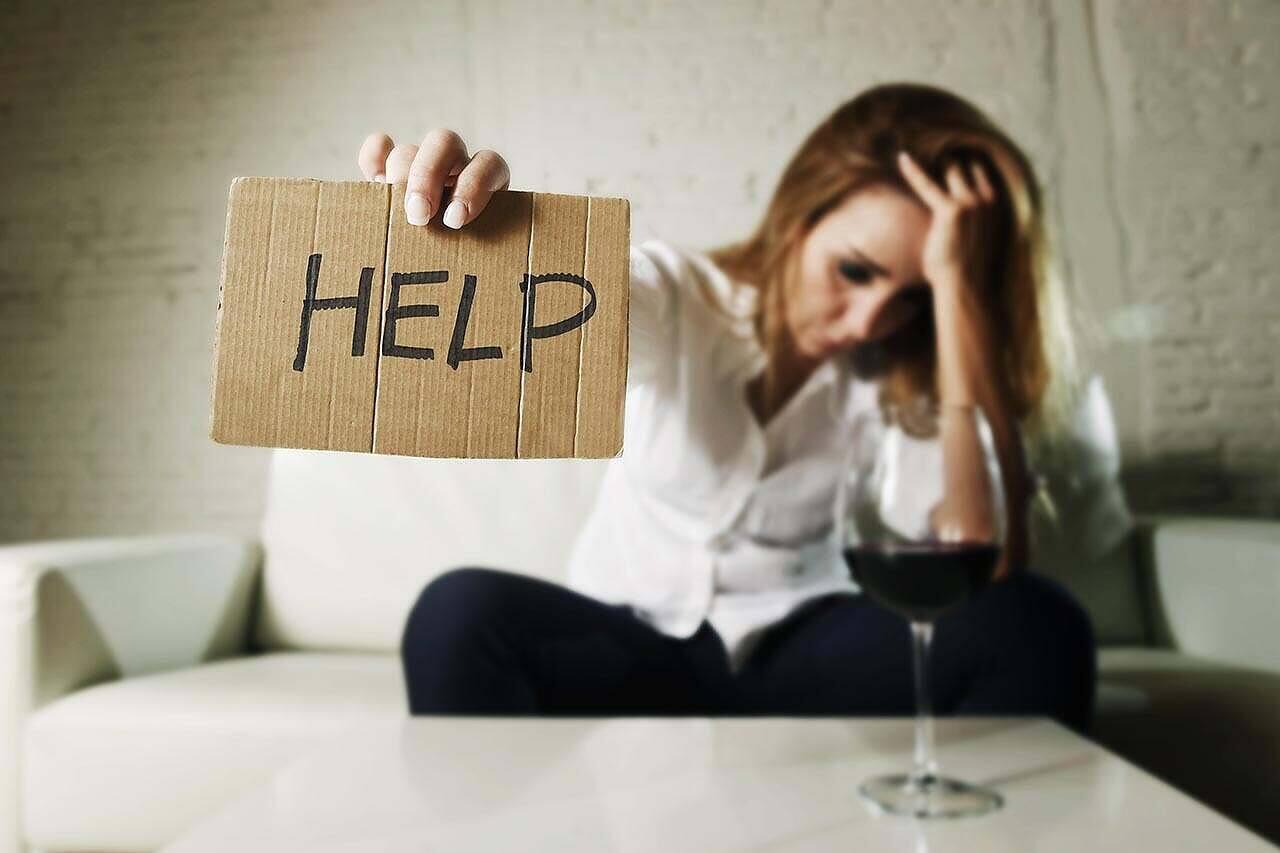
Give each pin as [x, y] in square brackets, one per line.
[439, 162]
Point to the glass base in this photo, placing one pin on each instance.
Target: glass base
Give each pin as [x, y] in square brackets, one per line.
[929, 796]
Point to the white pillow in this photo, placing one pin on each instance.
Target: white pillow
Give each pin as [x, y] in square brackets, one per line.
[351, 538]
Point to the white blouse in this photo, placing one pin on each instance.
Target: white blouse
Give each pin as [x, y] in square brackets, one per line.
[706, 515]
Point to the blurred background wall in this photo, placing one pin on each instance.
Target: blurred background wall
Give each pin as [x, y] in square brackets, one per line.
[1153, 124]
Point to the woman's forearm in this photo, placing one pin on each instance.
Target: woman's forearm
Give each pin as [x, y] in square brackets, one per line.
[969, 373]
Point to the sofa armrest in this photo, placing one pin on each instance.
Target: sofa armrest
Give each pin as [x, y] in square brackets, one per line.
[79, 611]
[1214, 587]
[74, 612]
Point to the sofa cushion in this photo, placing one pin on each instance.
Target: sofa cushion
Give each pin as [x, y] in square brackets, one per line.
[129, 765]
[351, 538]
[1216, 588]
[1108, 586]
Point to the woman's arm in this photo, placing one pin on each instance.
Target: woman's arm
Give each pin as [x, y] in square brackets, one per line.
[957, 263]
[969, 373]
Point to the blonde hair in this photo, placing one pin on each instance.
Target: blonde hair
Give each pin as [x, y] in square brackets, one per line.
[855, 147]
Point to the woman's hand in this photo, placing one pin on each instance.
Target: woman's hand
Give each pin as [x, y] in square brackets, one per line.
[440, 161]
[957, 248]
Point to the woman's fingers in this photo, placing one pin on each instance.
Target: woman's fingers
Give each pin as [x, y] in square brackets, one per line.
[929, 192]
[399, 161]
[428, 169]
[959, 188]
[372, 158]
[985, 190]
[486, 173]
[442, 154]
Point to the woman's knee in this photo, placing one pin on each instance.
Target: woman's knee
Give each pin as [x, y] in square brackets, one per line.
[1023, 645]
[1076, 646]
[1059, 617]
[1027, 621]
[455, 653]
[1043, 639]
[1027, 598]
[452, 606]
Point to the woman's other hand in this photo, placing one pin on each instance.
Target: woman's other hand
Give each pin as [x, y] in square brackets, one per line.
[440, 161]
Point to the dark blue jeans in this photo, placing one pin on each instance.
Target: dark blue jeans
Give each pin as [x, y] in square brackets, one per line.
[487, 641]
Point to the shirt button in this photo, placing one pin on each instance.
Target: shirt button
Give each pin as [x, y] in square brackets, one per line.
[720, 542]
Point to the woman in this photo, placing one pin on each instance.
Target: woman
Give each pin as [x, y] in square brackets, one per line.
[903, 253]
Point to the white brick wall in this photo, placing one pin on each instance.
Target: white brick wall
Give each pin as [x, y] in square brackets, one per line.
[122, 125]
[1198, 129]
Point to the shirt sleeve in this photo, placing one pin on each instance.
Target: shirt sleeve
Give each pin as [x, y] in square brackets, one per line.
[1086, 513]
[651, 313]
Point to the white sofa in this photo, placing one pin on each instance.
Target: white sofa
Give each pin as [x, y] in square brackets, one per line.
[145, 681]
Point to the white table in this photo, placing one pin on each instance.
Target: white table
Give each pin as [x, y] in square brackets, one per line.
[698, 784]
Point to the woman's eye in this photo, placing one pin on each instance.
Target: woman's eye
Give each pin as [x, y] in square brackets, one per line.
[855, 272]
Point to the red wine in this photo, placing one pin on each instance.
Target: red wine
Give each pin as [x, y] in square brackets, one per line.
[920, 580]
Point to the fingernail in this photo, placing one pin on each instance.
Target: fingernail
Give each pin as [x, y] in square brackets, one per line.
[416, 210]
[380, 178]
[455, 214]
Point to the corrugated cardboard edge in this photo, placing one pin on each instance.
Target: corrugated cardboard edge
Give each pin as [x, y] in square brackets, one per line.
[217, 322]
[626, 361]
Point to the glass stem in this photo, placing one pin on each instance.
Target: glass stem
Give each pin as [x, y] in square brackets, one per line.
[926, 767]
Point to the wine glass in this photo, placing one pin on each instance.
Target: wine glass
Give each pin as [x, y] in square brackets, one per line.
[920, 513]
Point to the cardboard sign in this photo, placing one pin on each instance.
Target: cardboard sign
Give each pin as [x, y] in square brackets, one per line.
[342, 327]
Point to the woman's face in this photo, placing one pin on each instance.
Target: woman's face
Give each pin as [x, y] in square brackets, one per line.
[860, 276]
